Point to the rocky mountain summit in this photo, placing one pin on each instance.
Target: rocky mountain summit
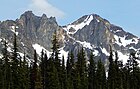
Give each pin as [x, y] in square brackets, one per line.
[91, 32]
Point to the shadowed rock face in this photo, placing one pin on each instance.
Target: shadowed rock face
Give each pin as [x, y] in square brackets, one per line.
[31, 30]
[92, 32]
[99, 35]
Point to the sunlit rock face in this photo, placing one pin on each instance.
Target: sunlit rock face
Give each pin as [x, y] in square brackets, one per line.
[93, 33]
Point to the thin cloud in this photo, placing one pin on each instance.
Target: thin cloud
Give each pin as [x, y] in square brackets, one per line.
[42, 6]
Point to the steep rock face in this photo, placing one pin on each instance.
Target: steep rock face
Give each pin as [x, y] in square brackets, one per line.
[38, 29]
[31, 30]
[93, 33]
[98, 35]
[125, 41]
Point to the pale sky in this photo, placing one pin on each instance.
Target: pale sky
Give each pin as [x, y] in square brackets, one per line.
[124, 13]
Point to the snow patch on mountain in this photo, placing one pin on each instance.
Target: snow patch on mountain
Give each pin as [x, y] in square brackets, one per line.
[98, 20]
[105, 51]
[9, 49]
[133, 48]
[122, 40]
[85, 44]
[63, 53]
[22, 43]
[123, 57]
[79, 26]
[115, 31]
[13, 29]
[21, 55]
[39, 49]
[95, 52]
[135, 40]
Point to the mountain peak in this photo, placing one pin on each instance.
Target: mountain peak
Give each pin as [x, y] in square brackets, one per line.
[28, 14]
[92, 32]
[84, 21]
[44, 16]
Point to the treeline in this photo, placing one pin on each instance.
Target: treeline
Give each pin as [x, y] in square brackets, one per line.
[76, 73]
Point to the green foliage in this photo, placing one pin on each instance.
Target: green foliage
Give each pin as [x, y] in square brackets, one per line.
[15, 68]
[24, 74]
[81, 68]
[5, 67]
[91, 73]
[78, 73]
[53, 79]
[100, 76]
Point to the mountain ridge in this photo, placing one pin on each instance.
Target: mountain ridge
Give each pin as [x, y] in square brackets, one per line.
[92, 32]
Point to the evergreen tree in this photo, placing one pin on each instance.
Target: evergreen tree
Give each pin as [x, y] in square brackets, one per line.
[55, 56]
[24, 73]
[45, 72]
[14, 66]
[55, 50]
[91, 73]
[100, 76]
[111, 72]
[68, 66]
[132, 71]
[81, 69]
[69, 72]
[38, 82]
[52, 76]
[78, 81]
[42, 69]
[6, 67]
[118, 73]
[71, 59]
[125, 78]
[1, 73]
[33, 72]
[73, 70]
[64, 76]
[115, 74]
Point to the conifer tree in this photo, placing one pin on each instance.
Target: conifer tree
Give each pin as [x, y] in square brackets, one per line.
[33, 72]
[68, 66]
[64, 76]
[91, 73]
[1, 73]
[55, 56]
[111, 72]
[100, 76]
[133, 70]
[118, 73]
[6, 67]
[38, 82]
[69, 72]
[24, 73]
[82, 69]
[52, 76]
[78, 81]
[45, 71]
[15, 63]
[42, 69]
[36, 74]
[55, 50]
[125, 78]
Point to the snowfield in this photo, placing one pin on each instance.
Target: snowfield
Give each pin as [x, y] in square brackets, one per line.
[80, 25]
[39, 49]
